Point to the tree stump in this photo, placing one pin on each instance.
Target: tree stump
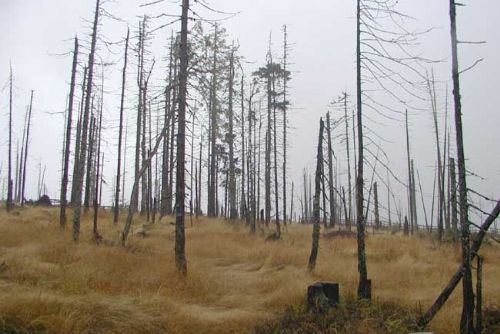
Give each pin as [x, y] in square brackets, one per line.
[322, 295]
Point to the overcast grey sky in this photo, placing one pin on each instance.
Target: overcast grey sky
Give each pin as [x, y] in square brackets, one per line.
[323, 57]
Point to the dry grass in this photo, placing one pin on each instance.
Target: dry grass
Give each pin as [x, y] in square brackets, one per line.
[236, 280]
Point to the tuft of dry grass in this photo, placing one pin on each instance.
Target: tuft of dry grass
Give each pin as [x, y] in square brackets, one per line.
[236, 281]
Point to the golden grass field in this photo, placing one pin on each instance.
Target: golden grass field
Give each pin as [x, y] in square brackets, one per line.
[235, 281]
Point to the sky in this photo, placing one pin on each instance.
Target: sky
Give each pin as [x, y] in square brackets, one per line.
[37, 36]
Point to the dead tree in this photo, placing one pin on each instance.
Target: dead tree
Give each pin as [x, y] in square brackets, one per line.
[64, 181]
[348, 150]
[83, 148]
[28, 126]
[410, 185]
[233, 211]
[453, 195]
[424, 320]
[9, 175]
[180, 255]
[432, 93]
[316, 206]
[363, 286]
[467, 320]
[116, 210]
[285, 119]
[375, 199]
[95, 234]
[76, 153]
[330, 171]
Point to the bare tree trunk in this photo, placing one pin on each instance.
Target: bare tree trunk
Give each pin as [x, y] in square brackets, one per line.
[330, 171]
[410, 185]
[79, 125]
[140, 80]
[166, 139]
[9, 176]
[285, 120]
[467, 321]
[414, 198]
[95, 234]
[316, 207]
[375, 199]
[64, 181]
[120, 131]
[27, 143]
[364, 287]
[90, 155]
[180, 256]
[453, 195]
[212, 190]
[423, 202]
[233, 211]
[432, 93]
[83, 151]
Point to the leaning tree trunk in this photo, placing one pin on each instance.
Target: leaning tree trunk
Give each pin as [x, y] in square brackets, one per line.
[64, 181]
[83, 148]
[316, 207]
[424, 320]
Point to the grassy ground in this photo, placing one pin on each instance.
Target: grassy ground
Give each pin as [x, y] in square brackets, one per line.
[236, 281]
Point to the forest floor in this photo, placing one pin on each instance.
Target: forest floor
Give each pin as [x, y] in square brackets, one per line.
[236, 281]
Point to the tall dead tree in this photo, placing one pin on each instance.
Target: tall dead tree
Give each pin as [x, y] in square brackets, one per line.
[330, 171]
[348, 150]
[285, 119]
[83, 148]
[9, 175]
[233, 211]
[212, 184]
[316, 206]
[432, 94]
[64, 181]
[76, 153]
[375, 208]
[116, 210]
[467, 320]
[26, 147]
[180, 255]
[364, 287]
[164, 202]
[410, 184]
